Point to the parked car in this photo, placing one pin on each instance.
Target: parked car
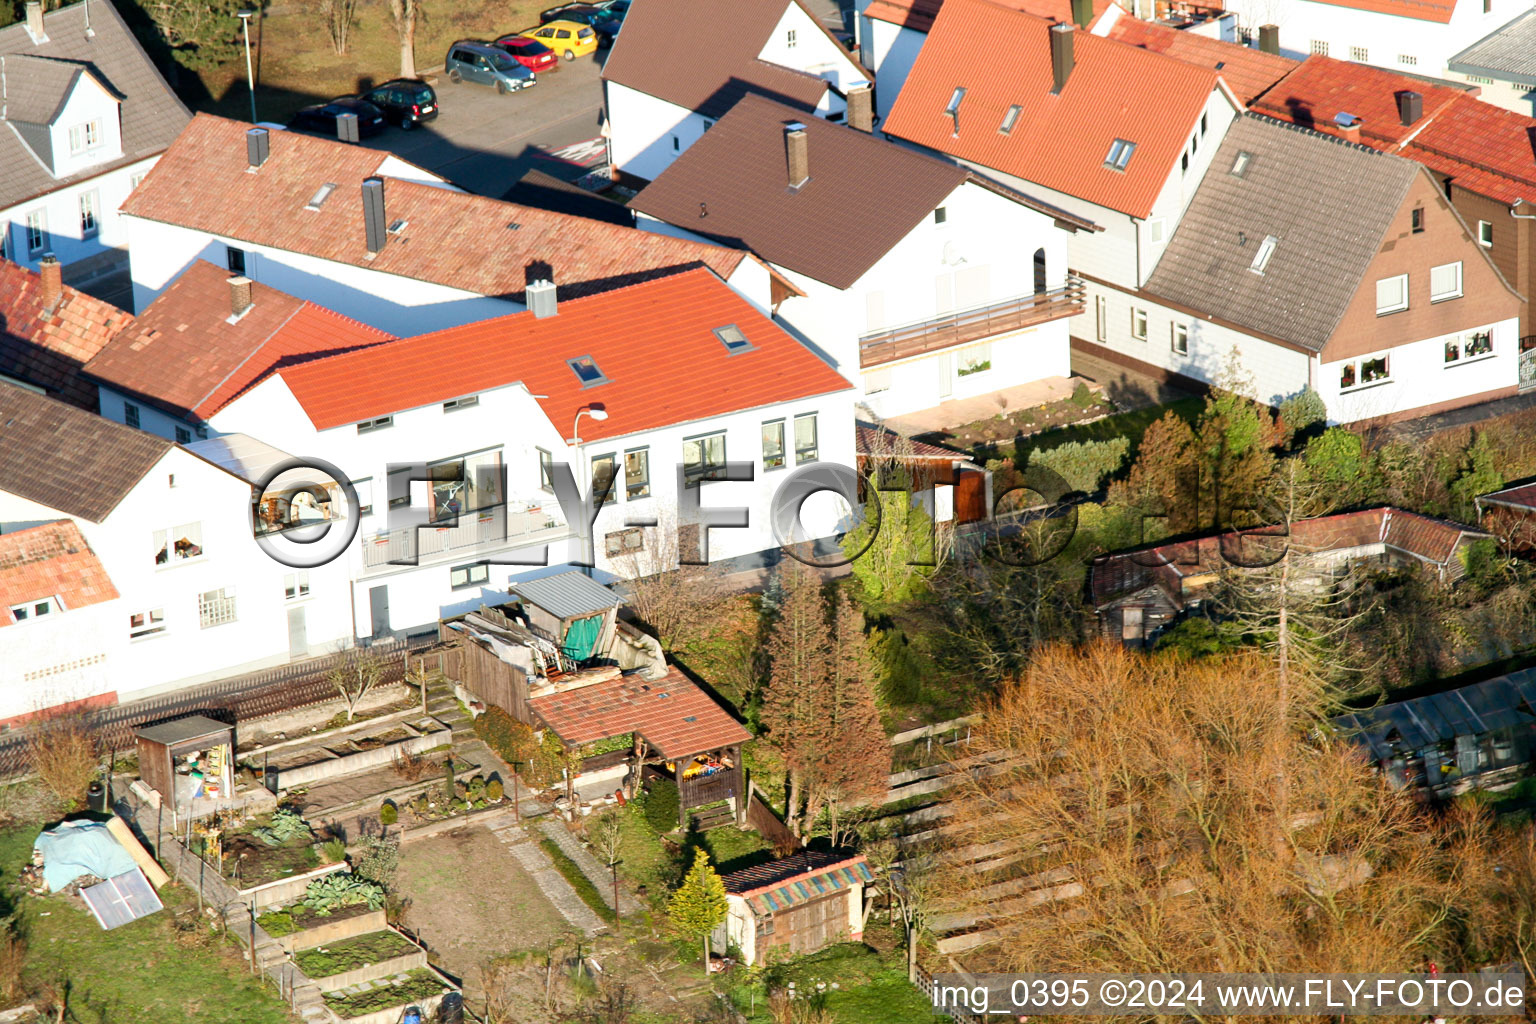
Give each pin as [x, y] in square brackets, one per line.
[486, 65]
[322, 116]
[570, 39]
[530, 53]
[405, 102]
[618, 7]
[605, 23]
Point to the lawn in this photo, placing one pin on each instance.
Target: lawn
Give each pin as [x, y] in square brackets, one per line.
[653, 864]
[147, 970]
[853, 983]
[296, 65]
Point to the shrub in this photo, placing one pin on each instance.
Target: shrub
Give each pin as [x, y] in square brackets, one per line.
[660, 806]
[62, 750]
[411, 767]
[1303, 411]
[335, 851]
[493, 791]
[1082, 397]
[1083, 464]
[476, 788]
[378, 860]
[341, 890]
[389, 813]
[449, 787]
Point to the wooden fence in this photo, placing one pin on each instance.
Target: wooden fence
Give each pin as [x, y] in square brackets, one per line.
[767, 824]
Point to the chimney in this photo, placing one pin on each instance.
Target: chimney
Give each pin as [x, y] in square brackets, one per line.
[35, 21]
[1410, 106]
[1061, 55]
[239, 297]
[1348, 126]
[861, 108]
[1082, 13]
[257, 145]
[797, 154]
[346, 128]
[540, 298]
[52, 273]
[374, 224]
[1269, 38]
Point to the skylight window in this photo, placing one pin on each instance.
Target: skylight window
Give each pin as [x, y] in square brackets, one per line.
[1240, 165]
[954, 101]
[586, 371]
[1119, 154]
[1009, 118]
[398, 226]
[1266, 250]
[321, 195]
[733, 339]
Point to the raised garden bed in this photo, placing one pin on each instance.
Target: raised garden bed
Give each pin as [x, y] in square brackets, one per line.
[419, 986]
[359, 951]
[299, 918]
[249, 861]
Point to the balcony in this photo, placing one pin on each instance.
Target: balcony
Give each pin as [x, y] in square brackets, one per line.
[967, 325]
[477, 534]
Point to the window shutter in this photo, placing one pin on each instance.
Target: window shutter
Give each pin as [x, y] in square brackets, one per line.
[1389, 293]
[1445, 280]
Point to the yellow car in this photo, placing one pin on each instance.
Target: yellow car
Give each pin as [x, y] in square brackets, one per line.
[570, 39]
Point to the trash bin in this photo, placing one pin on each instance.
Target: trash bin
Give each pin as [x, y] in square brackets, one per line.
[412, 1015]
[96, 798]
[451, 1009]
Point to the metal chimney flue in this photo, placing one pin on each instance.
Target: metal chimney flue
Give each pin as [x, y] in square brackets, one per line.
[258, 145]
[1061, 55]
[346, 128]
[1269, 38]
[541, 298]
[797, 154]
[375, 227]
[1410, 106]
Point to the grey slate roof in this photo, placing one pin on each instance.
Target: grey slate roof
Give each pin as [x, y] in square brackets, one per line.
[36, 88]
[1509, 52]
[152, 116]
[193, 727]
[1326, 201]
[61, 456]
[567, 594]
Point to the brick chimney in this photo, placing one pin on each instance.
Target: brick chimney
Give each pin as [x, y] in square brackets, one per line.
[52, 273]
[861, 108]
[1348, 126]
[1410, 106]
[35, 21]
[1269, 38]
[797, 154]
[1061, 55]
[239, 297]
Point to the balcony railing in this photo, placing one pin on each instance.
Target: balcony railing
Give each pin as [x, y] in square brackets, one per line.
[968, 325]
[487, 530]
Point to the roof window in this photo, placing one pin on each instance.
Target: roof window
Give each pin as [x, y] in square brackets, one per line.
[1119, 154]
[398, 226]
[733, 339]
[321, 195]
[586, 371]
[954, 101]
[1009, 119]
[1266, 250]
[1240, 165]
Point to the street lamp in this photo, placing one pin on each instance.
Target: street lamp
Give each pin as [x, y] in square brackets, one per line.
[250, 82]
[595, 410]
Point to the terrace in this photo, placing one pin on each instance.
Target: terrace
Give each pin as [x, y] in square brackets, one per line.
[496, 526]
[968, 325]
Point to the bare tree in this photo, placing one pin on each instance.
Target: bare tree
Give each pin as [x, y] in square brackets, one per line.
[404, 13]
[358, 672]
[64, 750]
[675, 601]
[606, 833]
[339, 16]
[913, 883]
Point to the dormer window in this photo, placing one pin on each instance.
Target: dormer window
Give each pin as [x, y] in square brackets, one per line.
[84, 137]
[1009, 118]
[1119, 154]
[586, 371]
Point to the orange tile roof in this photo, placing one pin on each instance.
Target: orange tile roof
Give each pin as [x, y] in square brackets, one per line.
[1423, 10]
[52, 560]
[1478, 146]
[919, 14]
[187, 327]
[47, 349]
[676, 717]
[1058, 141]
[653, 341]
[1247, 71]
[202, 182]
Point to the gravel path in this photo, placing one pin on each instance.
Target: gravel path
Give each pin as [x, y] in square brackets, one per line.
[590, 866]
[554, 886]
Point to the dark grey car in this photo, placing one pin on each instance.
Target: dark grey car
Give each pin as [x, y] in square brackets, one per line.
[484, 64]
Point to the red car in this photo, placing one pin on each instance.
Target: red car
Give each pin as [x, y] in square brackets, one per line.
[530, 53]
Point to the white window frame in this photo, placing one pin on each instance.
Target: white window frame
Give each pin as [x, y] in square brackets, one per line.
[1452, 293]
[377, 423]
[165, 540]
[1264, 255]
[1358, 366]
[296, 585]
[772, 428]
[789, 39]
[1101, 318]
[546, 469]
[85, 137]
[462, 577]
[216, 608]
[1392, 307]
[90, 213]
[637, 486]
[594, 464]
[27, 611]
[1485, 233]
[707, 470]
[37, 232]
[1178, 335]
[1157, 229]
[1457, 348]
[467, 402]
[1138, 323]
[806, 452]
[973, 359]
[153, 623]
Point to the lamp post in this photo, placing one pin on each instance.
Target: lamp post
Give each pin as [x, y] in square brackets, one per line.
[250, 81]
[595, 410]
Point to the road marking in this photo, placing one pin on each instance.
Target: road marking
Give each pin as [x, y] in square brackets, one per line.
[584, 153]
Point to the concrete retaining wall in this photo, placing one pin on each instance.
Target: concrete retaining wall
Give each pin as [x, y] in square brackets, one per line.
[309, 774]
[372, 972]
[285, 890]
[391, 1014]
[334, 931]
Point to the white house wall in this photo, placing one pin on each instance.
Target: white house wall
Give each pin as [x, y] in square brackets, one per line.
[61, 212]
[59, 658]
[810, 49]
[87, 102]
[890, 51]
[1515, 96]
[1180, 186]
[1420, 376]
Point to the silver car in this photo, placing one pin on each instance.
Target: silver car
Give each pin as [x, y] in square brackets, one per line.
[486, 65]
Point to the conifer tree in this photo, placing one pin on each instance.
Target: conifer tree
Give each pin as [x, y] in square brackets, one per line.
[800, 654]
[699, 903]
[856, 768]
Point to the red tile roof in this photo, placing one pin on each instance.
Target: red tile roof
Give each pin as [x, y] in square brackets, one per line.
[1424, 10]
[1478, 146]
[881, 441]
[676, 717]
[1247, 71]
[52, 560]
[1058, 141]
[202, 182]
[653, 341]
[919, 14]
[187, 327]
[48, 348]
[1520, 496]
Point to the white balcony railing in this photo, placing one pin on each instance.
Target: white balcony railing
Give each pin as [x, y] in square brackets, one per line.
[488, 530]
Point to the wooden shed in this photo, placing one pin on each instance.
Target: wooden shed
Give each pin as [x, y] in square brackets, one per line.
[800, 903]
[188, 760]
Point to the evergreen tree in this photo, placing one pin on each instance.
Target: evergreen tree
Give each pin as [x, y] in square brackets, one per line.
[699, 903]
[800, 654]
[856, 768]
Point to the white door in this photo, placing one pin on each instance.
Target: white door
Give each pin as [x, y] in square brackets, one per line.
[945, 365]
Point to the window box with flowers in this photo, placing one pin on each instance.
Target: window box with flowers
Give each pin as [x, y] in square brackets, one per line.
[1360, 373]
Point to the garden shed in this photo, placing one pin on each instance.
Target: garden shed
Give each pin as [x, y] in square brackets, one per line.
[799, 904]
[188, 760]
[574, 609]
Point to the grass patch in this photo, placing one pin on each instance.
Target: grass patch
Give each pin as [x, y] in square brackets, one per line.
[1131, 425]
[579, 881]
[420, 984]
[870, 987]
[358, 951]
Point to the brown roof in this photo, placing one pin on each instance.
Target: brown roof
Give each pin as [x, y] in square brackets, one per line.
[882, 441]
[1247, 71]
[47, 348]
[202, 183]
[151, 115]
[187, 327]
[1521, 496]
[732, 186]
[676, 717]
[670, 49]
[52, 560]
[65, 458]
[547, 192]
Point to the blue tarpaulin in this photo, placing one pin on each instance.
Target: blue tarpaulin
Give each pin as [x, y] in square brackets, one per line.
[78, 848]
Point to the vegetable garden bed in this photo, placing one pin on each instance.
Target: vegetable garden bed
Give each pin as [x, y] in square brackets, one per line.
[360, 951]
[298, 918]
[420, 985]
[249, 856]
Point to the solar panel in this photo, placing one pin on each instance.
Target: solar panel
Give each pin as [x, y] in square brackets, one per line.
[121, 899]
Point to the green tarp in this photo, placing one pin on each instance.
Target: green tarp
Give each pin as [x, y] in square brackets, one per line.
[581, 637]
